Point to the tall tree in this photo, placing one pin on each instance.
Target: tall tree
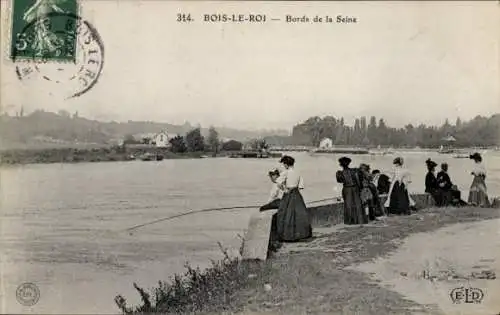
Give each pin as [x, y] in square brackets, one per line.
[195, 141]
[213, 140]
[178, 144]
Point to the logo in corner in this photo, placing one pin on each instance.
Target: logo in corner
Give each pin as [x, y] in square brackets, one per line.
[27, 294]
[467, 295]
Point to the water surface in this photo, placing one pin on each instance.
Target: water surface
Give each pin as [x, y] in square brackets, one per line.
[62, 224]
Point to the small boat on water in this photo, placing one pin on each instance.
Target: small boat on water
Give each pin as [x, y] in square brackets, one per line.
[151, 157]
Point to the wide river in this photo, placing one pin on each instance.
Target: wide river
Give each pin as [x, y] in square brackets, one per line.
[62, 225]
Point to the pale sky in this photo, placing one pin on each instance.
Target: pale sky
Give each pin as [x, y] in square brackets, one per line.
[404, 61]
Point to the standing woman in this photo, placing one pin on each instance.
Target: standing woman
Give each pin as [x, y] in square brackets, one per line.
[293, 222]
[478, 195]
[399, 200]
[351, 193]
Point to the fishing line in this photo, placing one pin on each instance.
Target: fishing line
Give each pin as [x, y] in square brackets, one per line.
[135, 227]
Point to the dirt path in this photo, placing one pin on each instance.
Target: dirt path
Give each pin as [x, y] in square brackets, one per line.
[428, 266]
[374, 269]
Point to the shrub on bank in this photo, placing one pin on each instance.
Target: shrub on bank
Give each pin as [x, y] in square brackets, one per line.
[209, 290]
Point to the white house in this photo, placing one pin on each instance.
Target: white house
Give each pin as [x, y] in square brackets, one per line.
[161, 140]
[326, 143]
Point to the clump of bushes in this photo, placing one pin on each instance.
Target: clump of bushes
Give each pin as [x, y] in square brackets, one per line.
[196, 291]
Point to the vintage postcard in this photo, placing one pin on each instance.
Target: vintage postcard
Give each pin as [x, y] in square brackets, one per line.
[249, 157]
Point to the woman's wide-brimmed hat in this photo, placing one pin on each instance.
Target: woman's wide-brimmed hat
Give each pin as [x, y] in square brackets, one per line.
[430, 163]
[476, 157]
[345, 161]
[398, 160]
[274, 172]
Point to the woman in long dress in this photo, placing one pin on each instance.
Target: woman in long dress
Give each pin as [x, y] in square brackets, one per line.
[478, 195]
[449, 192]
[351, 193]
[399, 200]
[293, 222]
[367, 197]
[431, 183]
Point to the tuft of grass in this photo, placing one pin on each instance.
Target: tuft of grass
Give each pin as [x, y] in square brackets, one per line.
[211, 290]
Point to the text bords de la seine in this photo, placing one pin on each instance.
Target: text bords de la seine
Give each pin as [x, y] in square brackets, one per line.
[262, 18]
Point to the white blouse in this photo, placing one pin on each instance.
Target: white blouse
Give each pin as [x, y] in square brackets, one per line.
[401, 175]
[291, 179]
[276, 193]
[479, 169]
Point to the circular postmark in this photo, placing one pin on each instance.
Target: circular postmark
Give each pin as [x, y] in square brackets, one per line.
[27, 294]
[61, 49]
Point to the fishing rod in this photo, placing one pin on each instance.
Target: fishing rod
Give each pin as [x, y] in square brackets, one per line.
[135, 227]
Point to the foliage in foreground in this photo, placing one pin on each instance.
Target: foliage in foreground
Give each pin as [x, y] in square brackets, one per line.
[210, 290]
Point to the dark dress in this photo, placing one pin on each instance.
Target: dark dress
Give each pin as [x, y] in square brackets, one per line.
[351, 193]
[450, 195]
[399, 202]
[275, 204]
[370, 197]
[378, 207]
[383, 184]
[431, 187]
[292, 220]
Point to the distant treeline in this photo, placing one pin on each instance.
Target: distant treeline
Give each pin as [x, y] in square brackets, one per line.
[28, 128]
[480, 131]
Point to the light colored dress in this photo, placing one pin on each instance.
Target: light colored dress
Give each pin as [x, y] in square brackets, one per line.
[478, 194]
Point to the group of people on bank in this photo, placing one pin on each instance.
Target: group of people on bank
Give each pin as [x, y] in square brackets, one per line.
[363, 191]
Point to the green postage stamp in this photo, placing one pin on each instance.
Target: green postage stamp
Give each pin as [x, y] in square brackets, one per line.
[44, 30]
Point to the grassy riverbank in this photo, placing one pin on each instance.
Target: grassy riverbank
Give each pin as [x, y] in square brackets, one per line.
[313, 279]
[76, 155]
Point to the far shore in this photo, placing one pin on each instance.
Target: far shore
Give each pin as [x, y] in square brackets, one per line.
[93, 154]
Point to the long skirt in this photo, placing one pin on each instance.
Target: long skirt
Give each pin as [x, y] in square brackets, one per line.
[437, 196]
[399, 199]
[353, 207]
[292, 220]
[378, 207]
[478, 195]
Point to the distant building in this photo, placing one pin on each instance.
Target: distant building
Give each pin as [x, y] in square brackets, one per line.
[161, 140]
[326, 143]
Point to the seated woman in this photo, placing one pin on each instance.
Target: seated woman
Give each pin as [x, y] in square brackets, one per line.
[292, 218]
[381, 182]
[450, 195]
[367, 198]
[378, 209]
[276, 192]
[431, 184]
